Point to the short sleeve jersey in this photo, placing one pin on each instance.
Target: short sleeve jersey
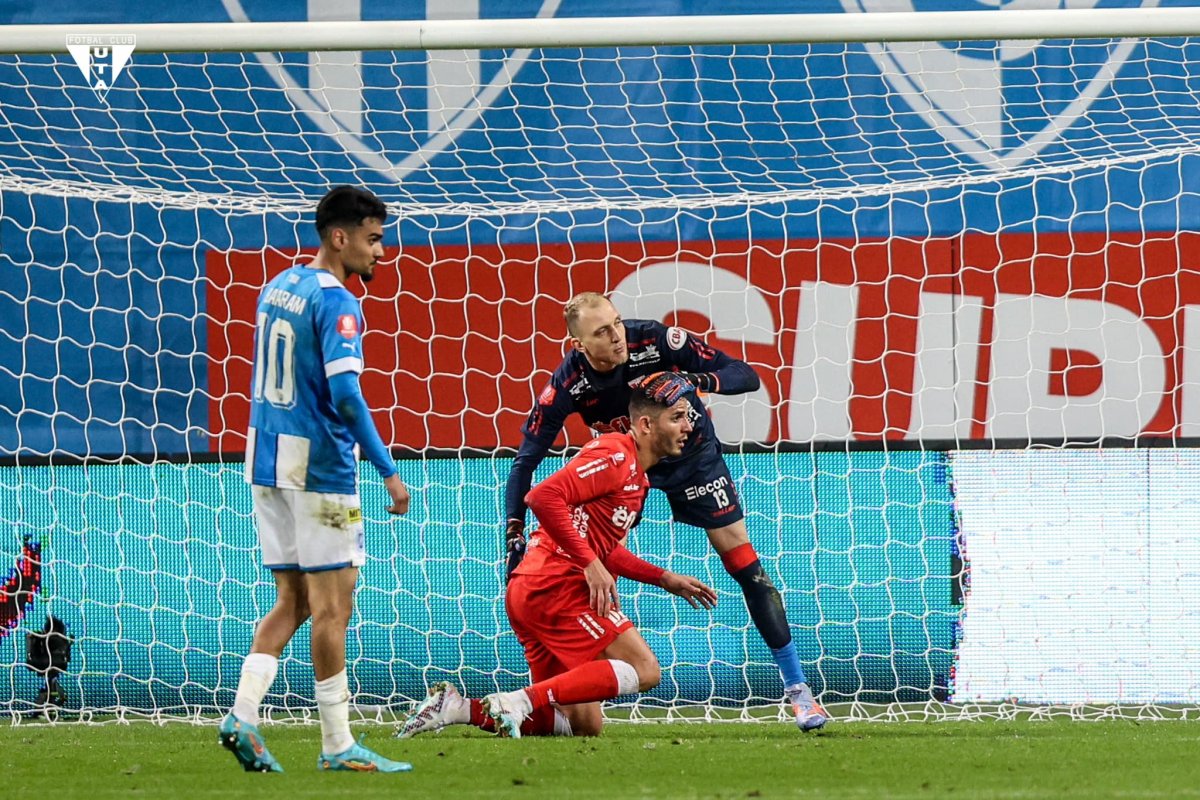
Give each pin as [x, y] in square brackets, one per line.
[308, 328]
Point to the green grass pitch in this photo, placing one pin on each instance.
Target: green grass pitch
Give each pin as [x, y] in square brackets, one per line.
[987, 759]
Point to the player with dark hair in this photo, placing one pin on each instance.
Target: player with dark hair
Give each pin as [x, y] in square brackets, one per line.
[307, 415]
[606, 353]
[562, 602]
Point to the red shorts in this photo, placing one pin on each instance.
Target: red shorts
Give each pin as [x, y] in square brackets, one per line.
[556, 625]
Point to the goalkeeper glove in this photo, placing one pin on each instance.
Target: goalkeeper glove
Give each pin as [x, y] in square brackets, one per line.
[663, 387]
[514, 546]
[703, 381]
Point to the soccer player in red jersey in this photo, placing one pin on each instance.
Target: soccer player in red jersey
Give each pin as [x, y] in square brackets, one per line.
[562, 599]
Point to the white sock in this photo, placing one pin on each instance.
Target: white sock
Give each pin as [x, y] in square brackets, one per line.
[627, 677]
[333, 700]
[562, 725]
[258, 673]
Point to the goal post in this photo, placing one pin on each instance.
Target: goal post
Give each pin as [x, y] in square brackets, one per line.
[956, 247]
[652, 31]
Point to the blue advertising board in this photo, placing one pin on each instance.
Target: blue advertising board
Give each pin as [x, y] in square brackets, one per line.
[154, 570]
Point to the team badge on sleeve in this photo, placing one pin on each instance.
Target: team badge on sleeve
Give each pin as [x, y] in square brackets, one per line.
[347, 326]
[676, 337]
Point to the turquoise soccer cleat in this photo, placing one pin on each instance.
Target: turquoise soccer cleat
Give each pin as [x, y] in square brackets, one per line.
[508, 720]
[246, 743]
[359, 759]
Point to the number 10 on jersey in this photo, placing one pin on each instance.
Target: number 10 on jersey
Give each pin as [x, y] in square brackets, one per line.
[274, 362]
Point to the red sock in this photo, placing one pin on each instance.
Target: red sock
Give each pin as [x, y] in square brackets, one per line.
[587, 683]
[538, 723]
[481, 720]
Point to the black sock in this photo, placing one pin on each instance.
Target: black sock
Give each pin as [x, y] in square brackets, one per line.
[765, 605]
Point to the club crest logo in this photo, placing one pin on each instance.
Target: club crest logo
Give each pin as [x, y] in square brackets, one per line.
[420, 103]
[999, 102]
[101, 58]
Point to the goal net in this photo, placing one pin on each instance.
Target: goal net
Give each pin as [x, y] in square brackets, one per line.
[963, 270]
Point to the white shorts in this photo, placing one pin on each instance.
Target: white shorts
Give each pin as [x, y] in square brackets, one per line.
[308, 531]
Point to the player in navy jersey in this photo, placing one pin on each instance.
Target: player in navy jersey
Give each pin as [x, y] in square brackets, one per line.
[562, 602]
[593, 381]
[307, 416]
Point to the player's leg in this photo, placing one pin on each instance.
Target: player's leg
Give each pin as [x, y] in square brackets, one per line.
[331, 550]
[587, 719]
[563, 638]
[276, 532]
[331, 595]
[765, 604]
[626, 665]
[582, 719]
[552, 719]
[273, 633]
[706, 497]
[290, 611]
[239, 731]
[445, 706]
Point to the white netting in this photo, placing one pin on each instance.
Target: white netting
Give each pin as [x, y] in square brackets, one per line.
[933, 243]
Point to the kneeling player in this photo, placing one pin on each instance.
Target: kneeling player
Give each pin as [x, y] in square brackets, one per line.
[562, 599]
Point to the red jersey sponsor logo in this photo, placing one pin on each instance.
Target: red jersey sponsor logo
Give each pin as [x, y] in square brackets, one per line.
[579, 519]
[347, 326]
[623, 518]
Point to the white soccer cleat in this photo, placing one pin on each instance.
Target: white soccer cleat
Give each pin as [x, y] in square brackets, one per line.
[507, 718]
[442, 707]
[810, 716]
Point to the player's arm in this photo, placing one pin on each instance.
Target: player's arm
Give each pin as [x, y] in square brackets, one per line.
[339, 327]
[706, 367]
[540, 430]
[592, 473]
[621, 561]
[352, 407]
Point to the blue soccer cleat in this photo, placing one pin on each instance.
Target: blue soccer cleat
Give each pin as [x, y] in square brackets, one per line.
[359, 759]
[246, 743]
[810, 715]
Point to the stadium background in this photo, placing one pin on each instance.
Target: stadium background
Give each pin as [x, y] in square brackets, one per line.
[125, 329]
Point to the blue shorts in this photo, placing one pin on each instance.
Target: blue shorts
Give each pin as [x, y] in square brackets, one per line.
[699, 489]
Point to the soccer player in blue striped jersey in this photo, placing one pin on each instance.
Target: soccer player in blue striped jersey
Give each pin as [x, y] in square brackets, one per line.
[308, 420]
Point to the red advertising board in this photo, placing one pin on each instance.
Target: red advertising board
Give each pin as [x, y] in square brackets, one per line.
[974, 336]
